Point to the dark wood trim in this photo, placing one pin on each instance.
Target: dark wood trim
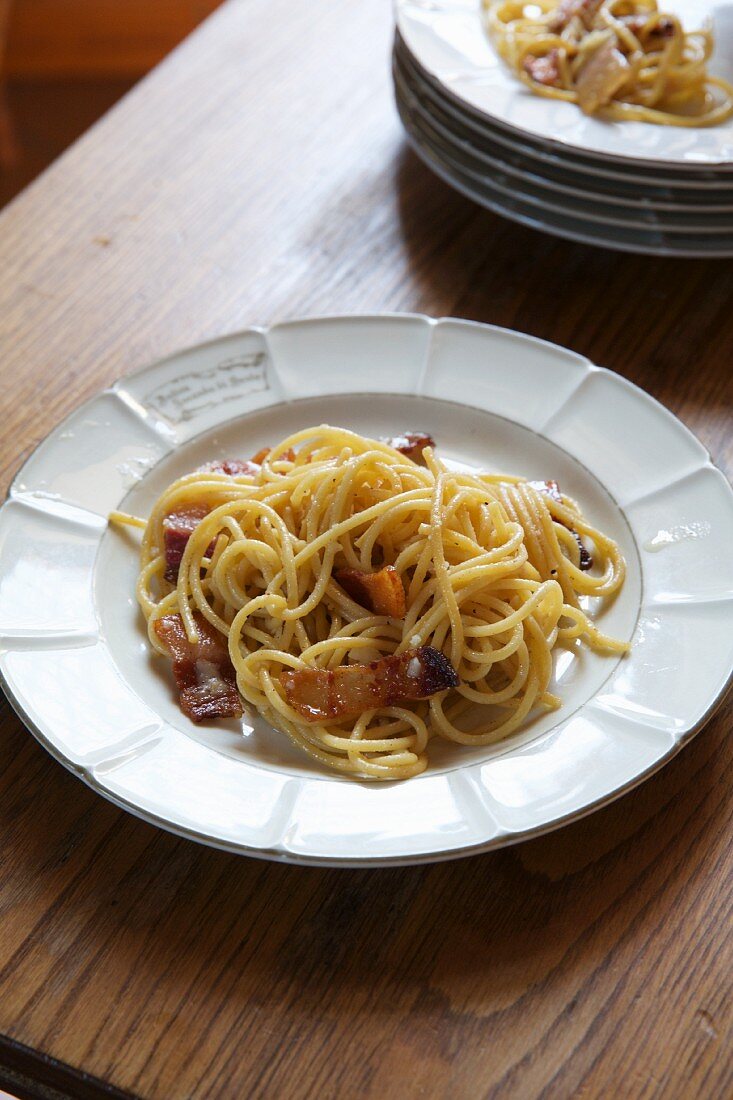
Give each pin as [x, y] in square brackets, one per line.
[29, 1075]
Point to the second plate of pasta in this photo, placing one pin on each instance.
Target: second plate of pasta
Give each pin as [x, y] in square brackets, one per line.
[661, 96]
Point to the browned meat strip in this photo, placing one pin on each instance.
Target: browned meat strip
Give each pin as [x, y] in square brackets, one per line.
[177, 529]
[262, 454]
[545, 69]
[317, 694]
[411, 444]
[584, 10]
[204, 673]
[662, 28]
[238, 467]
[552, 489]
[382, 592]
[602, 75]
[586, 558]
[234, 467]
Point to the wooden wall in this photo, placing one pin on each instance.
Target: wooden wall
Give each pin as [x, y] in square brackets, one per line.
[120, 38]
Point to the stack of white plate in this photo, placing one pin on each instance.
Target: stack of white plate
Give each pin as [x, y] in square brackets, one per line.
[633, 186]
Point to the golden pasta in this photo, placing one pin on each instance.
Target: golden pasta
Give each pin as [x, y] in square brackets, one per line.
[621, 59]
[483, 575]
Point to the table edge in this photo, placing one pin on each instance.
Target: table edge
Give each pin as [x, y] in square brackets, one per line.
[30, 1075]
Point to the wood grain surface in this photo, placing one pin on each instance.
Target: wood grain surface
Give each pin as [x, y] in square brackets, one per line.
[260, 173]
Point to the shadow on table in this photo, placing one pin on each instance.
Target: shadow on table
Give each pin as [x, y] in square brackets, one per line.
[206, 929]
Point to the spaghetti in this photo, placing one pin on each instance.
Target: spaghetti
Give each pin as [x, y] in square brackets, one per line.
[623, 59]
[363, 601]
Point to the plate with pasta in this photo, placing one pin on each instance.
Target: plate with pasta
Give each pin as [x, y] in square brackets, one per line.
[632, 81]
[366, 590]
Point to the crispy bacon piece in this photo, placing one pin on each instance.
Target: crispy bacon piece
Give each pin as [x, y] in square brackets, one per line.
[552, 489]
[584, 10]
[237, 467]
[177, 529]
[411, 444]
[586, 558]
[234, 467]
[663, 28]
[605, 71]
[178, 526]
[381, 593]
[319, 693]
[259, 458]
[543, 70]
[204, 673]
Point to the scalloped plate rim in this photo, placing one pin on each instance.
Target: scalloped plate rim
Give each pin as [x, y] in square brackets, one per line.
[503, 836]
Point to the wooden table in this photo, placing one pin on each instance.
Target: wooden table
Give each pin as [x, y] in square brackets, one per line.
[260, 173]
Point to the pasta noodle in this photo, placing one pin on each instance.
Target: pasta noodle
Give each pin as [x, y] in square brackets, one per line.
[491, 570]
[623, 59]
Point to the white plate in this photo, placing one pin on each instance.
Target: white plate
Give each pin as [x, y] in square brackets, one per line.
[582, 202]
[652, 178]
[562, 173]
[534, 211]
[582, 206]
[73, 652]
[448, 40]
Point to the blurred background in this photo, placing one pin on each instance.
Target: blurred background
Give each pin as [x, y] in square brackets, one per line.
[63, 63]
